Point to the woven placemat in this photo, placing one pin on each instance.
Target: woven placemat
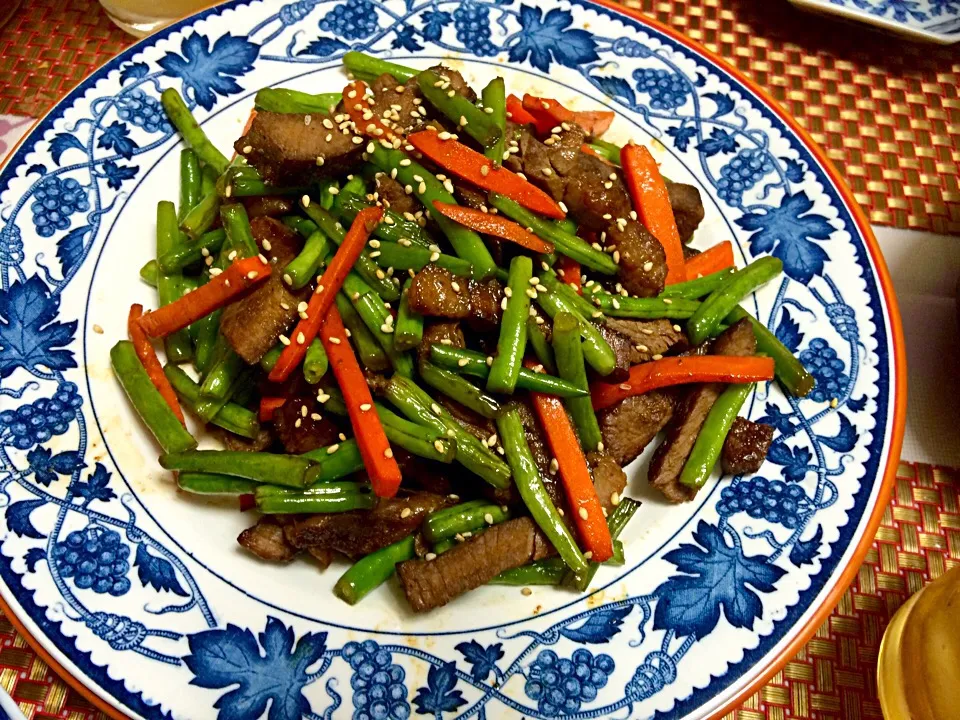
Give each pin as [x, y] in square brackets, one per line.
[886, 110]
[832, 678]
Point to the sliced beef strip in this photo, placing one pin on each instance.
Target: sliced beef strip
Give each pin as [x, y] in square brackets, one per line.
[622, 351]
[391, 194]
[609, 479]
[746, 446]
[231, 441]
[428, 475]
[687, 208]
[266, 540]
[439, 333]
[650, 337]
[457, 83]
[535, 439]
[428, 584]
[360, 532]
[253, 324]
[321, 556]
[299, 432]
[284, 148]
[437, 292]
[630, 425]
[269, 205]
[485, 310]
[643, 263]
[395, 101]
[692, 410]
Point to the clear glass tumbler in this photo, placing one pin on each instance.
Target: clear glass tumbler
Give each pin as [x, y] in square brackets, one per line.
[142, 17]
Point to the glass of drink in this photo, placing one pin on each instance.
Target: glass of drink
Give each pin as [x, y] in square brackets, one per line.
[918, 670]
[142, 17]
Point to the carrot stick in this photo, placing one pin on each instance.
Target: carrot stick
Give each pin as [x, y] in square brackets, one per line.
[372, 441]
[151, 363]
[479, 170]
[575, 476]
[713, 259]
[327, 289]
[221, 290]
[268, 406]
[516, 112]
[495, 225]
[549, 113]
[681, 370]
[569, 271]
[355, 103]
[652, 202]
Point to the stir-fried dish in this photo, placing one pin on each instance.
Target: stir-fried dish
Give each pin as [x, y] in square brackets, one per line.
[431, 328]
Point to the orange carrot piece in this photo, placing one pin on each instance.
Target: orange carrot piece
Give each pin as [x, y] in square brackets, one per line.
[569, 271]
[495, 225]
[713, 259]
[679, 371]
[268, 406]
[372, 441]
[652, 203]
[456, 158]
[575, 476]
[151, 363]
[355, 103]
[517, 113]
[327, 289]
[221, 290]
[549, 113]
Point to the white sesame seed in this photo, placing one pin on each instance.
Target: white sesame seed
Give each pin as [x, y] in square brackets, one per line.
[406, 512]
[430, 556]
[488, 519]
[332, 449]
[588, 555]
[438, 444]
[435, 408]
[365, 407]
[648, 266]
[335, 340]
[614, 498]
[388, 453]
[455, 286]
[492, 440]
[284, 340]
[526, 591]
[298, 423]
[667, 301]
[463, 362]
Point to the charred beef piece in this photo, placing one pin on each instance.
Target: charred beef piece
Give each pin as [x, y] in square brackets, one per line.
[477, 425]
[269, 205]
[395, 102]
[267, 541]
[360, 532]
[457, 83]
[322, 557]
[470, 197]
[284, 148]
[692, 410]
[746, 446]
[622, 351]
[687, 208]
[437, 292]
[609, 479]
[428, 584]
[427, 475]
[650, 337]
[440, 333]
[485, 310]
[630, 425]
[262, 441]
[643, 263]
[253, 324]
[391, 194]
[299, 431]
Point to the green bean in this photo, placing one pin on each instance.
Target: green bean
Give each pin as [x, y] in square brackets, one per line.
[208, 181]
[512, 342]
[371, 571]
[788, 368]
[212, 484]
[398, 257]
[567, 225]
[470, 362]
[466, 243]
[170, 285]
[421, 441]
[236, 224]
[244, 181]
[224, 371]
[698, 287]
[458, 508]
[394, 227]
[371, 354]
[179, 257]
[469, 118]
[531, 489]
[409, 330]
[302, 225]
[182, 119]
[646, 308]
[541, 346]
[309, 502]
[724, 299]
[549, 571]
[327, 190]
[361, 63]
[569, 354]
[570, 245]
[269, 359]
[284, 100]
[581, 304]
[370, 308]
[336, 461]
[607, 150]
[201, 218]
[596, 350]
[616, 523]
[304, 267]
[494, 98]
[459, 389]
[287, 470]
[317, 489]
[204, 333]
[472, 453]
[315, 362]
[365, 266]
[147, 401]
[713, 433]
[190, 182]
[231, 416]
[448, 525]
[149, 271]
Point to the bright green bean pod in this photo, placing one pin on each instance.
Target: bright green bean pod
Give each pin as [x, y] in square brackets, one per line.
[176, 259]
[494, 98]
[724, 299]
[584, 308]
[371, 353]
[409, 329]
[170, 285]
[327, 190]
[309, 503]
[788, 368]
[570, 245]
[541, 346]
[569, 354]
[236, 224]
[315, 363]
[616, 523]
[316, 490]
[284, 100]
[244, 181]
[190, 182]
[182, 119]
[201, 218]
[358, 62]
[224, 372]
[646, 308]
[233, 417]
[305, 266]
[371, 571]
[416, 258]
[713, 433]
[549, 571]
[204, 333]
[149, 271]
[147, 401]
[596, 350]
[269, 359]
[534, 495]
[469, 118]
[287, 470]
[467, 519]
[416, 439]
[607, 150]
[470, 362]
[394, 227]
[302, 225]
[512, 342]
[699, 287]
[370, 308]
[336, 461]
[459, 507]
[459, 389]
[466, 243]
[212, 484]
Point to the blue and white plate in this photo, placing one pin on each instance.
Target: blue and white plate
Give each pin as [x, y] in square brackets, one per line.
[935, 21]
[186, 625]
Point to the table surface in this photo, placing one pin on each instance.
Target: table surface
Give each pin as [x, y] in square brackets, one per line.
[919, 538]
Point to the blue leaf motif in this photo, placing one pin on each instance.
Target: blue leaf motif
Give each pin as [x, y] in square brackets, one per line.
[795, 461]
[723, 102]
[324, 47]
[38, 169]
[780, 420]
[46, 466]
[211, 71]
[599, 627]
[29, 334]
[787, 232]
[720, 141]
[116, 174]
[116, 137]
[806, 551]
[61, 143]
[857, 404]
[407, 39]
[224, 658]
[70, 248]
[616, 87]
[482, 659]
[95, 488]
[788, 332]
[18, 518]
[546, 38]
[156, 572]
[133, 71]
[845, 439]
[434, 21]
[793, 169]
[33, 556]
[439, 696]
[718, 576]
[682, 135]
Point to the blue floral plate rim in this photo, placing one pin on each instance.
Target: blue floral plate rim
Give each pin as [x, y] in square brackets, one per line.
[936, 21]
